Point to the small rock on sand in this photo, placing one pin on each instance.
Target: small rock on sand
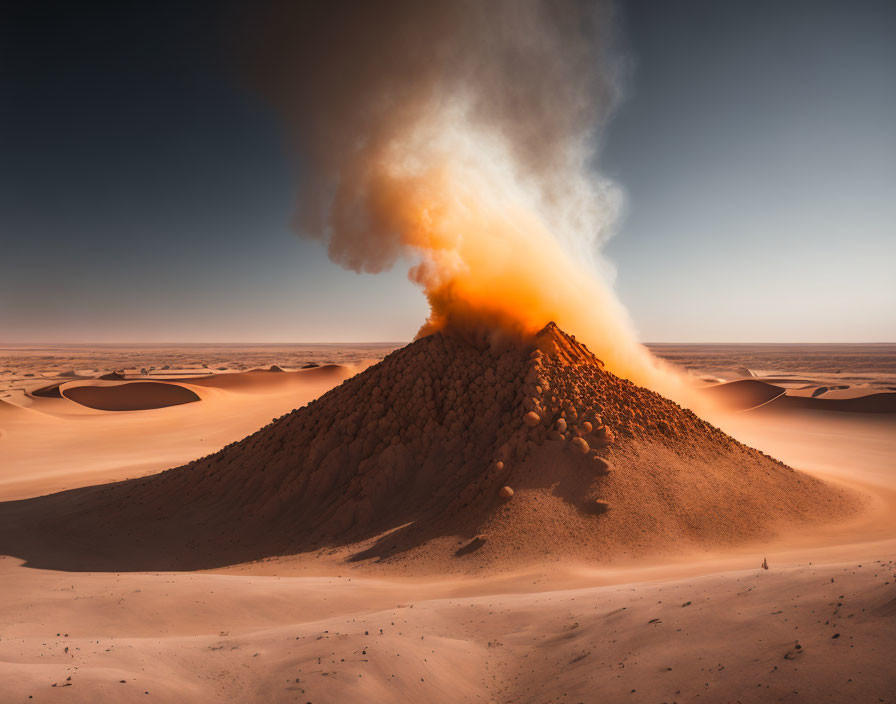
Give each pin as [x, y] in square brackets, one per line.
[602, 464]
[581, 445]
[605, 435]
[506, 492]
[599, 506]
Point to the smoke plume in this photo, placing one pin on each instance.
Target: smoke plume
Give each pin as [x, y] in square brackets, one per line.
[460, 136]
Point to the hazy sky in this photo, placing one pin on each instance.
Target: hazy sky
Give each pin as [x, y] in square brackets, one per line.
[145, 195]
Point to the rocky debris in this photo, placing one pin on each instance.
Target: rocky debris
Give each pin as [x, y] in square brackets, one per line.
[474, 545]
[604, 436]
[506, 492]
[581, 445]
[794, 652]
[532, 419]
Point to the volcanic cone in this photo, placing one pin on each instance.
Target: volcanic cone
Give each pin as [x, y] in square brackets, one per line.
[457, 451]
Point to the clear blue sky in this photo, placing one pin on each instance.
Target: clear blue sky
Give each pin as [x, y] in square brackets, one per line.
[145, 195]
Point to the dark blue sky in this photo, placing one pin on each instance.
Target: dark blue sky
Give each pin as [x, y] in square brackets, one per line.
[145, 195]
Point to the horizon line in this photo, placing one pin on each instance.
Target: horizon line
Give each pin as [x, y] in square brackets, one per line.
[173, 343]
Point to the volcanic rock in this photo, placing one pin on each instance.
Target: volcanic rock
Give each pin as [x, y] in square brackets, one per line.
[531, 419]
[581, 445]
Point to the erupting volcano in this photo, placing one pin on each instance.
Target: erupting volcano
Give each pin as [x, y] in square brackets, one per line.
[329, 393]
[459, 451]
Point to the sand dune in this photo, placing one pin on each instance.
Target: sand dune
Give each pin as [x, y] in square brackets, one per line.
[73, 374]
[868, 403]
[56, 443]
[10, 409]
[112, 376]
[263, 380]
[743, 394]
[761, 396]
[845, 391]
[130, 396]
[161, 392]
[51, 391]
[788, 382]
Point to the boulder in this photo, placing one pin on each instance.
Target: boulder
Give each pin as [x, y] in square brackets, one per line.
[581, 445]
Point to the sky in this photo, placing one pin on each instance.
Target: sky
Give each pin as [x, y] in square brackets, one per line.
[146, 196]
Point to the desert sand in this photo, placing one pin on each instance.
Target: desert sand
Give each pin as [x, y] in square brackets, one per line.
[527, 599]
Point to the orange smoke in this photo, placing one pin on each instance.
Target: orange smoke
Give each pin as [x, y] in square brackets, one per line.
[486, 257]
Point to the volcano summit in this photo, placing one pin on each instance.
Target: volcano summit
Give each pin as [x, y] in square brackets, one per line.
[455, 452]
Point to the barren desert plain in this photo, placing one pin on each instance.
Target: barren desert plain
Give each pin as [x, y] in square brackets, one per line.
[361, 548]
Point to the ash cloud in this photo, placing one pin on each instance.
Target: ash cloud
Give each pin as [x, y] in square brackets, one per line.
[459, 136]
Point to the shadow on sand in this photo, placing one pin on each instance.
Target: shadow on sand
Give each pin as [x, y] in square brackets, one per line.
[144, 524]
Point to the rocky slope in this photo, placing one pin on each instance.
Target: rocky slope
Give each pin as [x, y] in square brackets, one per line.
[455, 452]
